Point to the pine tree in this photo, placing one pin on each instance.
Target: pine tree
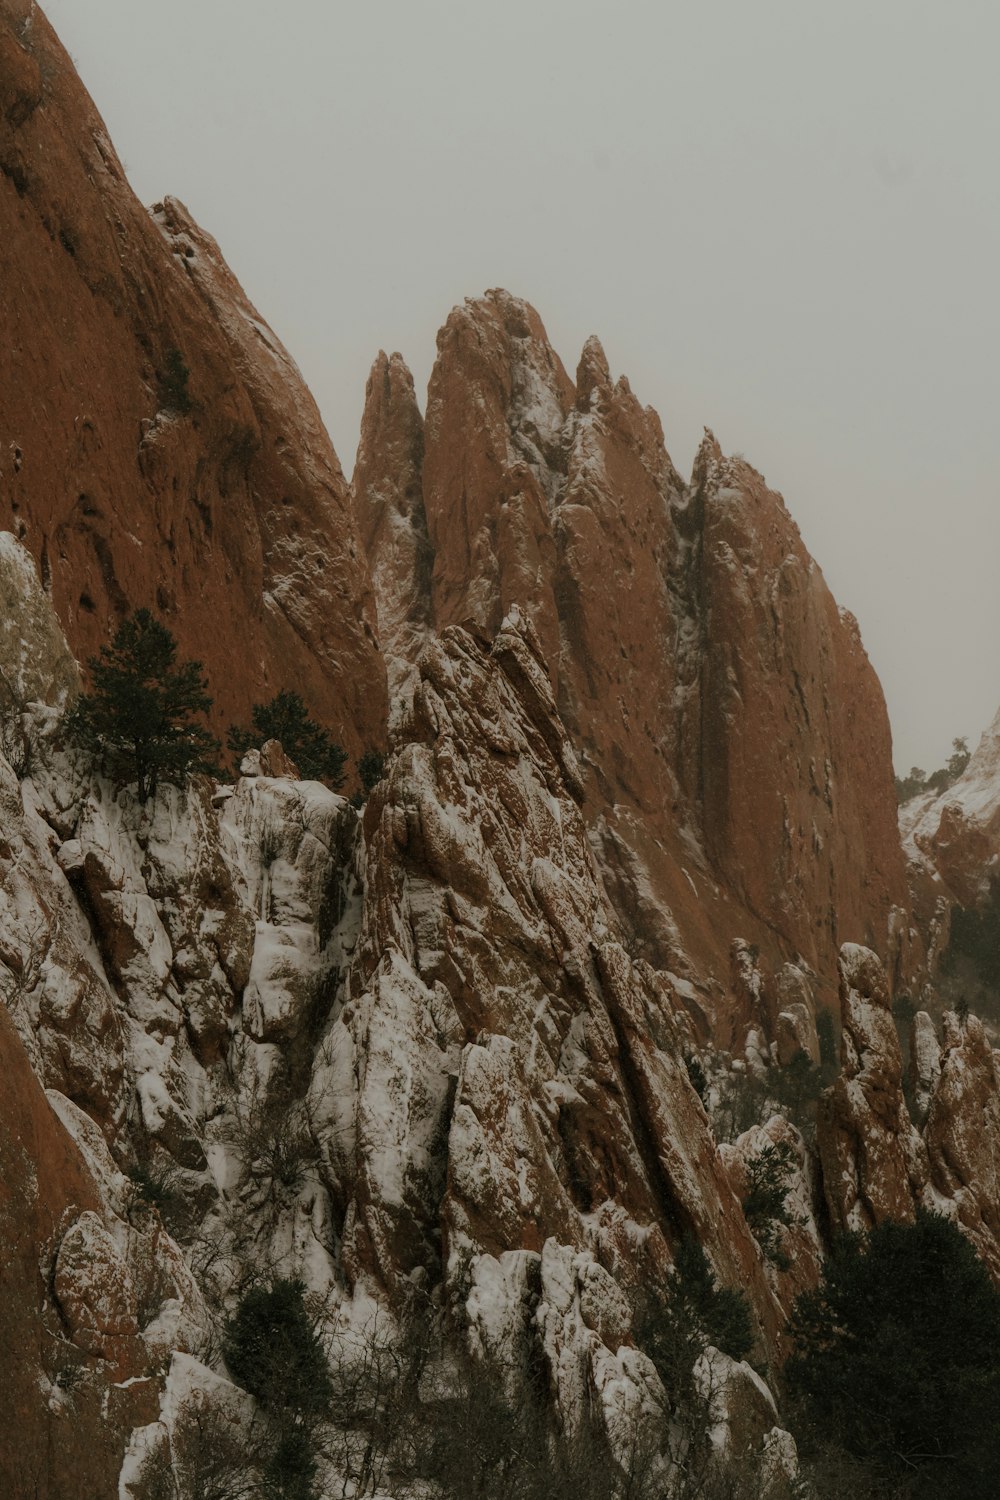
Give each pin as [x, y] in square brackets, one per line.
[678, 1322]
[285, 718]
[768, 1173]
[895, 1360]
[139, 720]
[274, 1352]
[371, 769]
[959, 759]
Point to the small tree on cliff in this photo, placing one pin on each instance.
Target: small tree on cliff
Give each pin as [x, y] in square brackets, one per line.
[139, 720]
[676, 1323]
[371, 769]
[286, 718]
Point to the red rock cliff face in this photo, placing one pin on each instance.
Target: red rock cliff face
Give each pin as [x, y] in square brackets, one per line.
[794, 761]
[734, 737]
[157, 444]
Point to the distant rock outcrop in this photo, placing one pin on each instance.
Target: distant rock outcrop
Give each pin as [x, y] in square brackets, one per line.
[955, 835]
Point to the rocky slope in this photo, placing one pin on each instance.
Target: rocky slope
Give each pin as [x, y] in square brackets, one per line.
[157, 444]
[951, 841]
[487, 1095]
[254, 1034]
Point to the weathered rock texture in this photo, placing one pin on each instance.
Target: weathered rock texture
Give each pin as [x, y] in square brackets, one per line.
[490, 953]
[94, 1291]
[157, 444]
[963, 1133]
[44, 1185]
[389, 504]
[733, 738]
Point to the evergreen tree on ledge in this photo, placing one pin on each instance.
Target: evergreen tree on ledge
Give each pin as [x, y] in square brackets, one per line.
[139, 719]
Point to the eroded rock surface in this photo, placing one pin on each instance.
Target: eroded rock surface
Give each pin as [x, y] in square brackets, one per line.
[963, 1132]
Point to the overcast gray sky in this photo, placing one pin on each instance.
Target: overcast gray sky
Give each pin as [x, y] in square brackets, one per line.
[781, 217]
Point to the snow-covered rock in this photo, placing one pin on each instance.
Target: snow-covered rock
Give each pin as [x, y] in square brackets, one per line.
[874, 1160]
[35, 663]
[963, 1133]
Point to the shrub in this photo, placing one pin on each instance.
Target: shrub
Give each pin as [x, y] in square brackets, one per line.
[271, 1139]
[745, 1098]
[139, 720]
[958, 761]
[696, 1076]
[764, 1205]
[797, 1088]
[675, 1327]
[748, 1098]
[290, 1470]
[489, 1439]
[15, 744]
[174, 394]
[152, 1189]
[285, 718]
[895, 1360]
[214, 1458]
[938, 781]
[272, 1350]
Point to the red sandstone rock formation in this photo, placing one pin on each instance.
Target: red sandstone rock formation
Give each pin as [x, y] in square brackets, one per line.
[493, 1007]
[44, 1183]
[157, 444]
[77, 1375]
[733, 735]
[795, 765]
[640, 729]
